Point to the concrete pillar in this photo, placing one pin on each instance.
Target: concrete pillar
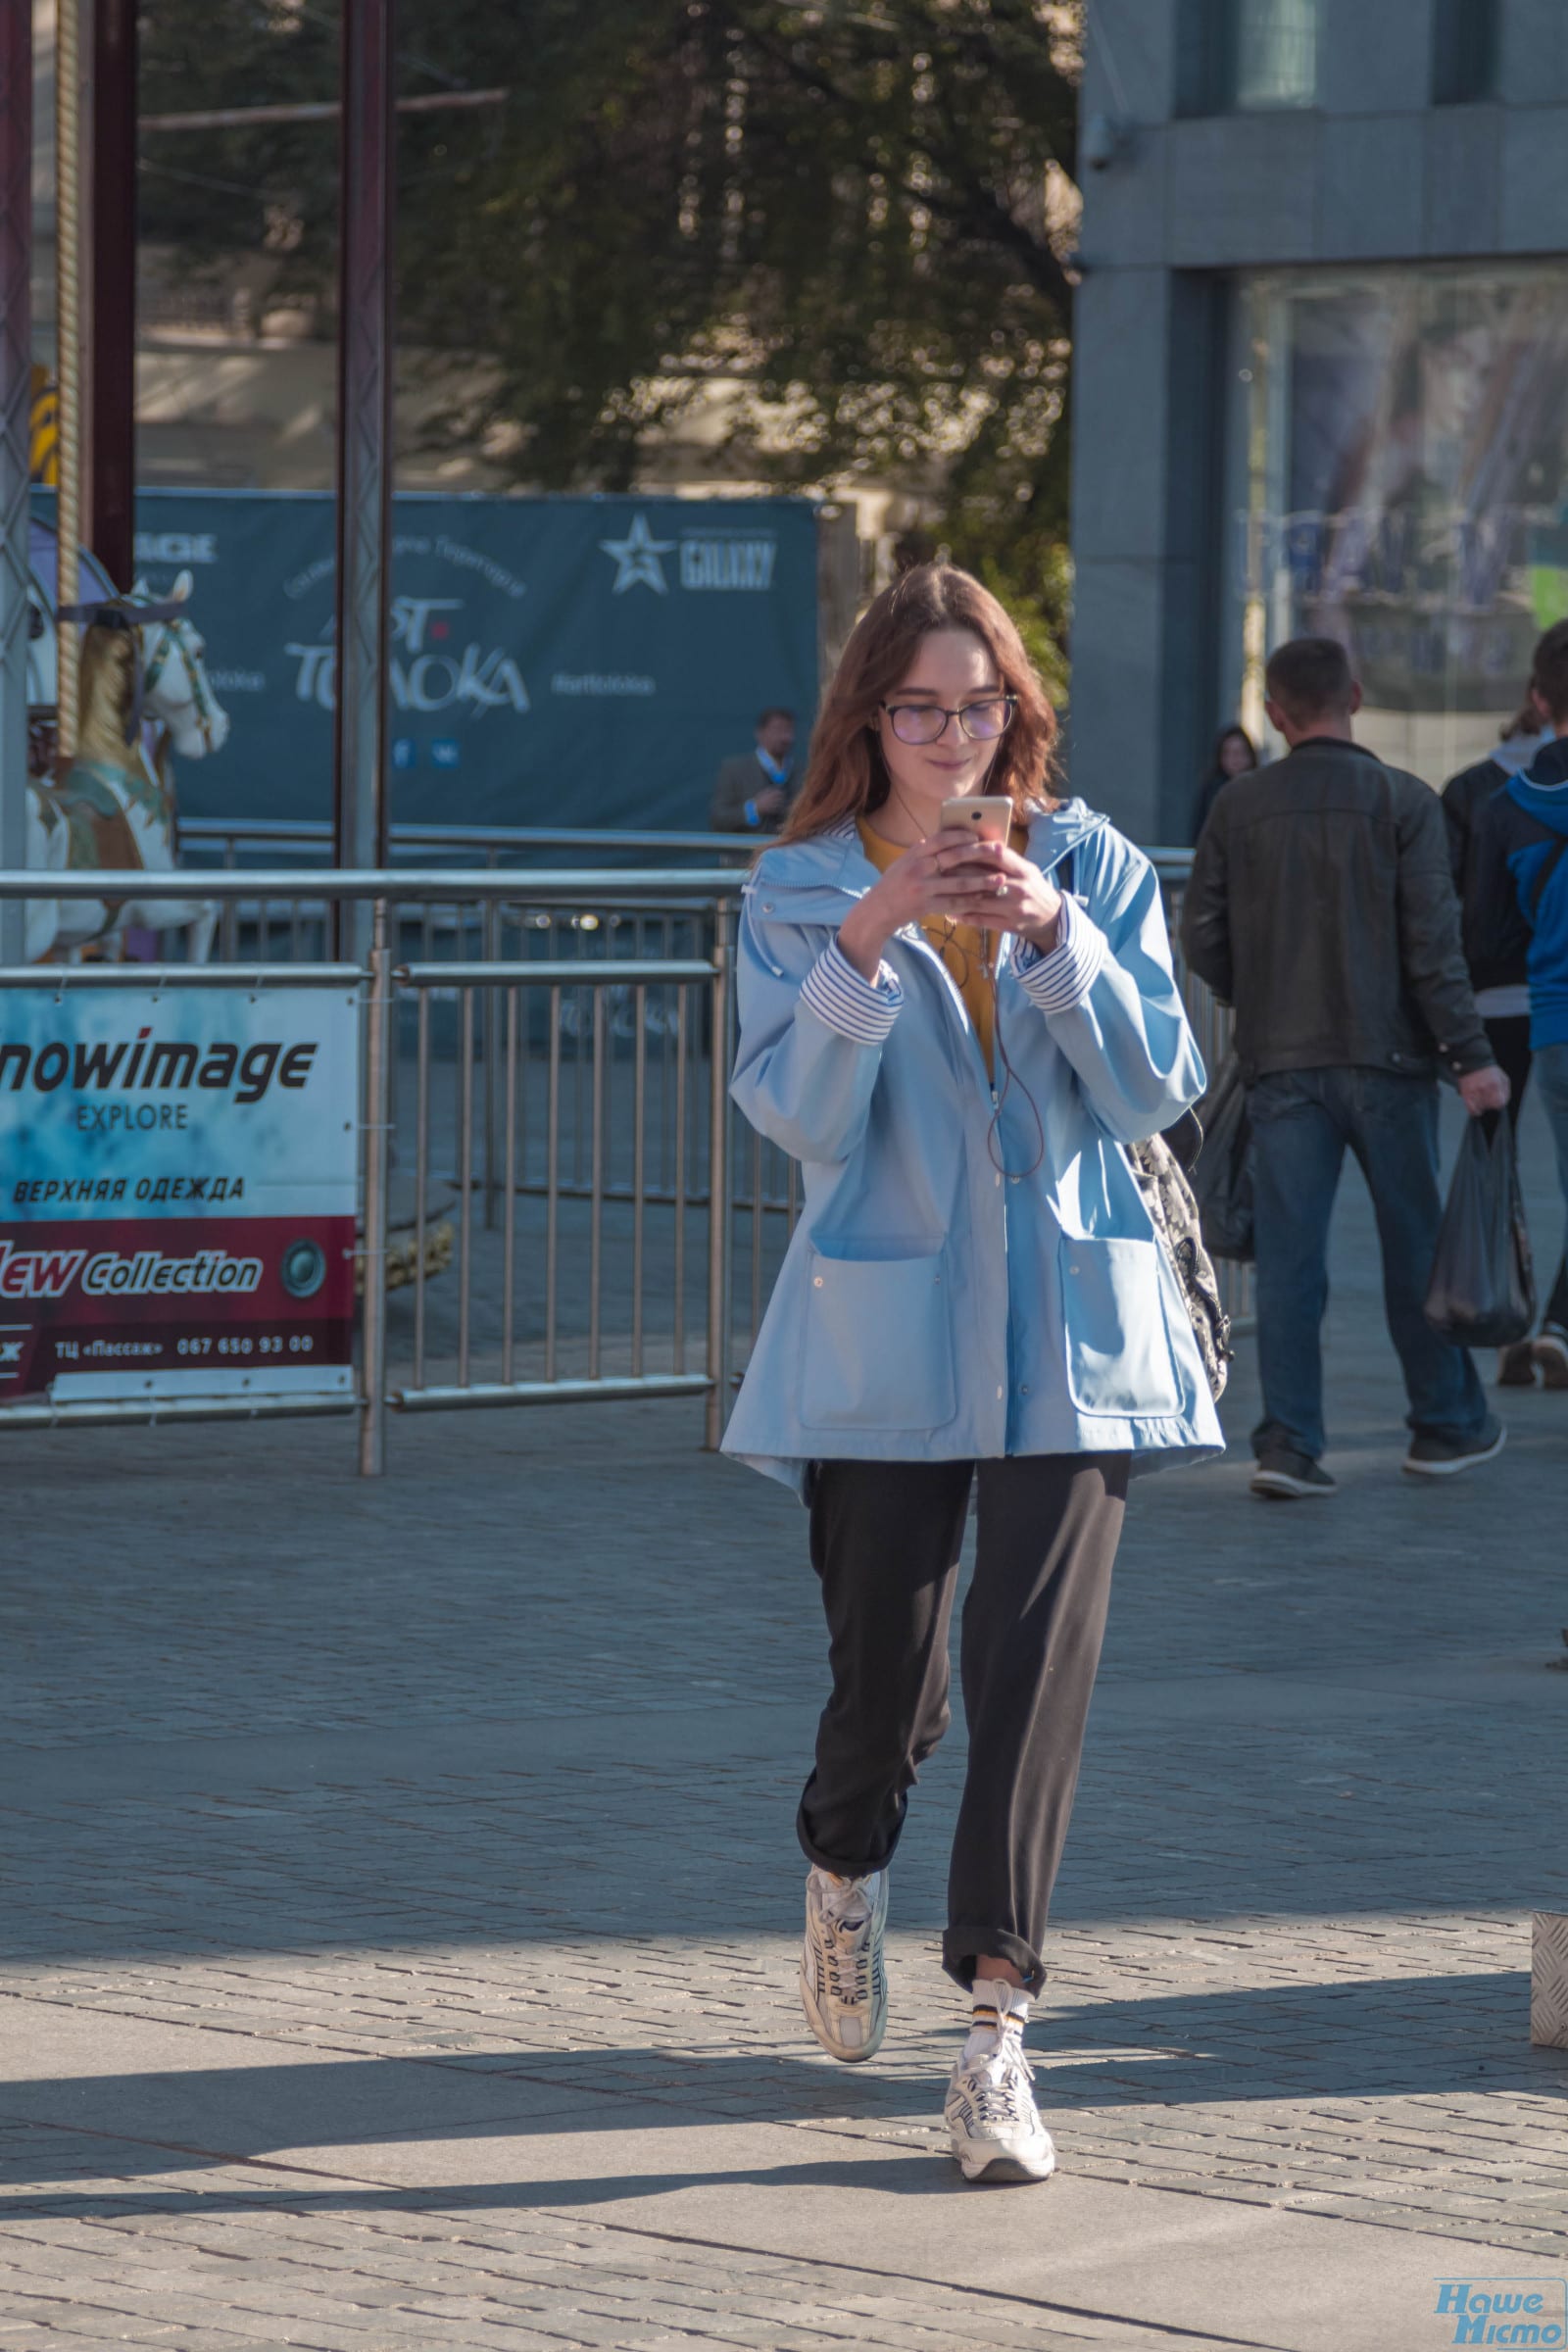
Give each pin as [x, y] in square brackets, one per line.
[1147, 537]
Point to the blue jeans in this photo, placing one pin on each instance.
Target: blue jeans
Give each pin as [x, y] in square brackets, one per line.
[1552, 1076]
[1302, 1122]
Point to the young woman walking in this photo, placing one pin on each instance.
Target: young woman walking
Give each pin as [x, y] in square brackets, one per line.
[955, 1045]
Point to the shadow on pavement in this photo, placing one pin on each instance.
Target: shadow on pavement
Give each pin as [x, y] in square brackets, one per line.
[897, 2176]
[1393, 2037]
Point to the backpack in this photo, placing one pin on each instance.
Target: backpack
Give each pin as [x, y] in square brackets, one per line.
[1161, 1163]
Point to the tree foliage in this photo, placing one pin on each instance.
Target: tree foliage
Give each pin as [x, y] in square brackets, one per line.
[841, 213]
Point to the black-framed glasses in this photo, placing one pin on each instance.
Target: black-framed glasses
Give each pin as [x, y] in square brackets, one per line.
[927, 722]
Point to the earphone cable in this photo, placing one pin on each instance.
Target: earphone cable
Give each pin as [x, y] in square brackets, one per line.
[1009, 1079]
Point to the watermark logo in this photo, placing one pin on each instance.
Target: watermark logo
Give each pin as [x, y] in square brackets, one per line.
[1503, 2311]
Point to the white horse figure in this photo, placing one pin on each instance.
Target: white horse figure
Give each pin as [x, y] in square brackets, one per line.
[144, 691]
[48, 853]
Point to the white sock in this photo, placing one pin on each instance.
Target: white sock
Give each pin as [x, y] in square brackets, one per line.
[995, 2002]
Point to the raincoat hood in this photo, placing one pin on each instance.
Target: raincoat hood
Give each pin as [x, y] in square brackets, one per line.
[1541, 791]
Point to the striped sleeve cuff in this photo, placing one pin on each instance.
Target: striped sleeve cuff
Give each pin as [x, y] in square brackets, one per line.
[1061, 981]
[861, 1010]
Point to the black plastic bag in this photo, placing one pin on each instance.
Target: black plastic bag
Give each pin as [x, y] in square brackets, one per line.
[1482, 1288]
[1221, 1176]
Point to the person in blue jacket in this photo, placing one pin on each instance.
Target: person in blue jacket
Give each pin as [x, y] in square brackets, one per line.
[956, 1042]
[1516, 905]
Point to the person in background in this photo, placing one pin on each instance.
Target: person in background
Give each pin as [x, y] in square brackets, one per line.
[1516, 905]
[1234, 754]
[752, 791]
[1321, 905]
[1503, 985]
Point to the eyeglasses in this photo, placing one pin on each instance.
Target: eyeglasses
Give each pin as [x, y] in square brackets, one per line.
[927, 722]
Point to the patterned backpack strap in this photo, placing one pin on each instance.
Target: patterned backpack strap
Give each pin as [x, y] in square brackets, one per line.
[1173, 1213]
[1160, 1166]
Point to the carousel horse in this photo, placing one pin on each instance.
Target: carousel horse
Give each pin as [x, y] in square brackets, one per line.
[48, 853]
[141, 671]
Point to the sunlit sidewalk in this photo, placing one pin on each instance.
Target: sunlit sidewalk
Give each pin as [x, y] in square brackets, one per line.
[401, 1947]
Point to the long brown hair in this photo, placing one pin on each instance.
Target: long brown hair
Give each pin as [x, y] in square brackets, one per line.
[847, 774]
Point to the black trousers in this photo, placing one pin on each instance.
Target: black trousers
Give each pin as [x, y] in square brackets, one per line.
[1508, 1036]
[885, 1543]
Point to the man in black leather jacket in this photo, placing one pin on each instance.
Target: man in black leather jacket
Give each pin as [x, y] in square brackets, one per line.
[1322, 907]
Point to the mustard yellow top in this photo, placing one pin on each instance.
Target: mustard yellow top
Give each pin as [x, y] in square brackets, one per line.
[962, 947]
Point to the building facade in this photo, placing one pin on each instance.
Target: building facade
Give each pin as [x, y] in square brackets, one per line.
[1321, 373]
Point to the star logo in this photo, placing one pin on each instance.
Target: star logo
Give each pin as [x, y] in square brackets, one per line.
[636, 556]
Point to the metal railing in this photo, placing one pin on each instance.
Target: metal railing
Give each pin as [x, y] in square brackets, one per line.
[569, 1095]
[225, 841]
[573, 1362]
[545, 1110]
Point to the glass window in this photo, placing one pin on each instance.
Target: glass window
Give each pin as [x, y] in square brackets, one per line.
[1464, 59]
[1275, 52]
[1399, 462]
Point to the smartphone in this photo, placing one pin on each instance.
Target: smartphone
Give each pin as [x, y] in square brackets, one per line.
[986, 816]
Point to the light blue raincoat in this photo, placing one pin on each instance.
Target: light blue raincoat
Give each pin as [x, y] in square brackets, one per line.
[932, 1306]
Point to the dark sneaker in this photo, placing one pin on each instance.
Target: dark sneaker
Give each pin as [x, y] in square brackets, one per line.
[1442, 1457]
[1550, 1352]
[1281, 1476]
[1516, 1365]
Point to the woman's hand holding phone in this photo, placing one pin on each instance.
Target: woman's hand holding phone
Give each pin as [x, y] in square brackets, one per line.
[984, 883]
[995, 889]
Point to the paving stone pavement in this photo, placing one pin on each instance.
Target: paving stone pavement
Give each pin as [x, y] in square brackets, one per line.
[401, 1903]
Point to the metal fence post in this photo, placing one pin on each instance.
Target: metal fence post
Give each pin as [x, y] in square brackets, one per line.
[378, 1136]
[365, 234]
[720, 1219]
[112, 330]
[67, 364]
[490, 916]
[16, 429]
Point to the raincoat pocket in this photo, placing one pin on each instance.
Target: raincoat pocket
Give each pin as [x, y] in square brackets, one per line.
[1119, 1358]
[876, 1349]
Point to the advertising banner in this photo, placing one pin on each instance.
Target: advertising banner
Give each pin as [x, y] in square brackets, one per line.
[180, 1172]
[561, 661]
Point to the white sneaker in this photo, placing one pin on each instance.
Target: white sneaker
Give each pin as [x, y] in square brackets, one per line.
[990, 2111]
[844, 1985]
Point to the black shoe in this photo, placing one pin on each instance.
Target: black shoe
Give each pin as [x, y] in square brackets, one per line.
[1442, 1457]
[1516, 1365]
[1550, 1352]
[1283, 1476]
